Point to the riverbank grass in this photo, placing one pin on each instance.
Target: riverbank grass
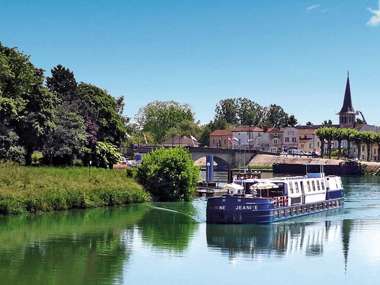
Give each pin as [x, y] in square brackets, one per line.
[42, 189]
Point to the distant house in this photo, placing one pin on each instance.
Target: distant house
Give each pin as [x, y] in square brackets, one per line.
[181, 141]
[290, 138]
[221, 139]
[247, 137]
[308, 140]
[272, 140]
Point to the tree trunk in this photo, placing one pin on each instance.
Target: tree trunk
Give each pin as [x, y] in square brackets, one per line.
[329, 147]
[359, 150]
[368, 151]
[28, 156]
[339, 148]
[322, 148]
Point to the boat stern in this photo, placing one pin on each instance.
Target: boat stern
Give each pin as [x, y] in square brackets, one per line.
[239, 210]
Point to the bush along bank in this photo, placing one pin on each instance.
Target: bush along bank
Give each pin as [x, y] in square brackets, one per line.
[169, 174]
[42, 189]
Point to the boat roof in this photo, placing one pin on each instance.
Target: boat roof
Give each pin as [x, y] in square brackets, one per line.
[282, 179]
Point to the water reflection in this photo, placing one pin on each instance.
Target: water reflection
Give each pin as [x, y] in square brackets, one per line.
[79, 247]
[118, 246]
[277, 240]
[169, 226]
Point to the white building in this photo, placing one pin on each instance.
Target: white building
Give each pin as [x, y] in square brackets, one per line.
[290, 138]
[245, 137]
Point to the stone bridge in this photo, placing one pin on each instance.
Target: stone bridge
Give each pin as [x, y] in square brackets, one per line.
[231, 158]
[226, 158]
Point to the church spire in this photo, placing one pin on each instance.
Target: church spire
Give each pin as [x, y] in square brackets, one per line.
[347, 102]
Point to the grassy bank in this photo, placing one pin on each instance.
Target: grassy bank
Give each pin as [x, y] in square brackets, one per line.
[28, 189]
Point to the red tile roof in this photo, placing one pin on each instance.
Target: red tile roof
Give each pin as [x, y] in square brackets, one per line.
[221, 133]
[274, 130]
[247, 129]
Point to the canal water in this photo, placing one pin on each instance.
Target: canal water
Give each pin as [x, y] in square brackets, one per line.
[170, 243]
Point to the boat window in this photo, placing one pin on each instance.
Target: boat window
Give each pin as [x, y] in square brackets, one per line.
[296, 185]
[308, 185]
[318, 185]
[301, 184]
[323, 185]
[291, 187]
[313, 184]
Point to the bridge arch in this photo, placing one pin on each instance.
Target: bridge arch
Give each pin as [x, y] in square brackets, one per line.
[220, 163]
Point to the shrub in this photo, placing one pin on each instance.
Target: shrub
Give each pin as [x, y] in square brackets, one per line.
[169, 174]
[131, 172]
[106, 155]
[37, 157]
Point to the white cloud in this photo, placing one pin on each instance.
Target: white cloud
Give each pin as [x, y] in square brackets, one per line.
[313, 7]
[375, 19]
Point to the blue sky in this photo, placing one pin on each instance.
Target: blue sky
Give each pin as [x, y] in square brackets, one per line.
[292, 53]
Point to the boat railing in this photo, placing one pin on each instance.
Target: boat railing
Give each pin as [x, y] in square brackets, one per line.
[280, 201]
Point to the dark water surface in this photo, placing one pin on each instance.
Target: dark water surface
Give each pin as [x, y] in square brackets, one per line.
[170, 243]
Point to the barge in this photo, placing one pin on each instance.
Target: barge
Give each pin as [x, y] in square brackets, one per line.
[264, 201]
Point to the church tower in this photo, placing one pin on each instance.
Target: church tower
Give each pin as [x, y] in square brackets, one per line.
[347, 114]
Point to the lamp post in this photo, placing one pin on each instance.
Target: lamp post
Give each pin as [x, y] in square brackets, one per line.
[89, 168]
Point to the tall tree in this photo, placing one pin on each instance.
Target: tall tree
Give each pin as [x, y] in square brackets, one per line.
[62, 82]
[321, 133]
[99, 110]
[242, 111]
[249, 113]
[275, 116]
[338, 134]
[67, 141]
[292, 121]
[227, 110]
[158, 117]
[25, 104]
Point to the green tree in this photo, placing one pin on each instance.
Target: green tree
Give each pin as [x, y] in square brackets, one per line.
[275, 117]
[376, 139]
[368, 139]
[67, 141]
[242, 111]
[227, 110]
[10, 149]
[338, 135]
[63, 83]
[321, 133]
[358, 139]
[106, 155]
[25, 104]
[292, 121]
[158, 117]
[169, 174]
[204, 137]
[348, 134]
[327, 123]
[100, 111]
[330, 132]
[249, 113]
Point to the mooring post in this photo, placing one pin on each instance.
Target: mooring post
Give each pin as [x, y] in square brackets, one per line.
[209, 168]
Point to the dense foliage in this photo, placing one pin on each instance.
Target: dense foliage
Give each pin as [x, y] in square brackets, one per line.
[28, 189]
[26, 106]
[161, 118]
[169, 174]
[329, 134]
[243, 111]
[106, 155]
[64, 120]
